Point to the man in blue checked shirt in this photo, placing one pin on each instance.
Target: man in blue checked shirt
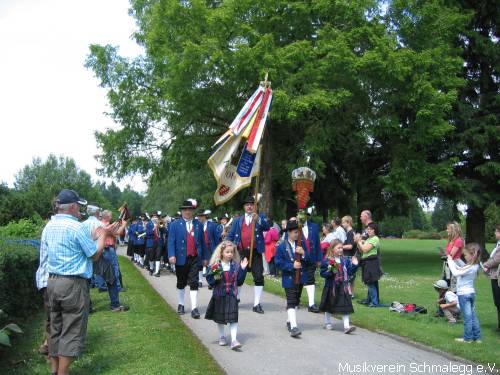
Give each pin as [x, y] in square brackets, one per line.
[70, 252]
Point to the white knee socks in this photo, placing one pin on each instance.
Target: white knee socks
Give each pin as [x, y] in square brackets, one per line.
[310, 293]
[345, 319]
[234, 331]
[328, 318]
[180, 296]
[292, 317]
[221, 329]
[193, 294]
[200, 276]
[257, 294]
[157, 266]
[239, 292]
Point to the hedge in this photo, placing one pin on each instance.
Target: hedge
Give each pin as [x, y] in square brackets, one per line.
[18, 264]
[421, 235]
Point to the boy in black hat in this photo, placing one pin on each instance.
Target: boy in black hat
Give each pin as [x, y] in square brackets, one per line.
[210, 236]
[286, 260]
[187, 250]
[241, 234]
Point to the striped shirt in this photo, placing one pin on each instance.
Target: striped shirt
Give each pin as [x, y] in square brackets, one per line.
[69, 247]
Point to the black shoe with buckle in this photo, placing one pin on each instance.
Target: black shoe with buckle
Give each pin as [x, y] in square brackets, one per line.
[295, 332]
[313, 309]
[180, 310]
[288, 326]
[258, 309]
[195, 314]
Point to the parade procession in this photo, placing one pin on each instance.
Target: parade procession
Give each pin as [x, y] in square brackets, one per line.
[250, 187]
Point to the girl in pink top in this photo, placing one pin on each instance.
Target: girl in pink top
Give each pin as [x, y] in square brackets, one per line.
[454, 247]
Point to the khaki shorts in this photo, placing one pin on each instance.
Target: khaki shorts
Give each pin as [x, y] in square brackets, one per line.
[69, 310]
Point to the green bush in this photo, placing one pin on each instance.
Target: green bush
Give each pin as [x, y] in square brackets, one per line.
[421, 235]
[18, 265]
[24, 228]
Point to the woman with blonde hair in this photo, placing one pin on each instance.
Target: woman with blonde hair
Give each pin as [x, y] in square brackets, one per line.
[454, 247]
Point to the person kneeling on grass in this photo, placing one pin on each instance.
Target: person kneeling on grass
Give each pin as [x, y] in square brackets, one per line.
[336, 296]
[287, 262]
[225, 274]
[447, 302]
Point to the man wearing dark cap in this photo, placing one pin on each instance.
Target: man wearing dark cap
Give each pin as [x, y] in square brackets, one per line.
[70, 252]
[187, 251]
[241, 234]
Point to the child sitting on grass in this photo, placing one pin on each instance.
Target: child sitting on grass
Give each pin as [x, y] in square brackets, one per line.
[466, 293]
[336, 296]
[447, 302]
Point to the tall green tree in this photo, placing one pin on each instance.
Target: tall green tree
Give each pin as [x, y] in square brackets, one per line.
[361, 94]
[41, 181]
[475, 143]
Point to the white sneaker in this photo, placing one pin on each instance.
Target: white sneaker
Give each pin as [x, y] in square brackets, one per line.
[222, 341]
[328, 326]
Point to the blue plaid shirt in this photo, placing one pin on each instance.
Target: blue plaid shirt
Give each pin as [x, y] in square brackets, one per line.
[69, 247]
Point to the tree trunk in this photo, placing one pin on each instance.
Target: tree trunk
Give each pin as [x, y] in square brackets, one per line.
[475, 224]
[266, 171]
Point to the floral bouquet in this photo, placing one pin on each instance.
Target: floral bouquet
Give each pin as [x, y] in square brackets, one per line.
[332, 266]
[216, 270]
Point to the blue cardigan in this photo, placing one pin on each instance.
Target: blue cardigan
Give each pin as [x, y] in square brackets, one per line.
[229, 281]
[213, 236]
[285, 264]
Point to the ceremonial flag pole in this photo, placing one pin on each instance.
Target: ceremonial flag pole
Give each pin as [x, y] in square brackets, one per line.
[250, 125]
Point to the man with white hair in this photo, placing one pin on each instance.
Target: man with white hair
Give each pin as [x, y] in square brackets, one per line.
[91, 224]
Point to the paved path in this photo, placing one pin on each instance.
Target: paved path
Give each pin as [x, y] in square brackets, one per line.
[268, 348]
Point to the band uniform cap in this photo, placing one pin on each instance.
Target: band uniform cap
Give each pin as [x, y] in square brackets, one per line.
[292, 225]
[67, 196]
[187, 204]
[249, 199]
[441, 284]
[204, 212]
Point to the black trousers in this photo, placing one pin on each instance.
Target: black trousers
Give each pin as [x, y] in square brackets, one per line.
[310, 271]
[257, 268]
[140, 250]
[293, 296]
[496, 297]
[153, 253]
[188, 274]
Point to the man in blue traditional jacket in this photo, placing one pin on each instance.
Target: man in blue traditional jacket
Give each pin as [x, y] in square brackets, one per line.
[211, 236]
[310, 235]
[241, 234]
[187, 250]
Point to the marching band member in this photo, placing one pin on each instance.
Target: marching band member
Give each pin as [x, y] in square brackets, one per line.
[187, 250]
[310, 232]
[210, 236]
[241, 234]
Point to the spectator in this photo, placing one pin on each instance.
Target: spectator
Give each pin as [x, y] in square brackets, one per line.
[447, 302]
[349, 247]
[492, 268]
[328, 237]
[271, 237]
[454, 247]
[338, 231]
[69, 262]
[366, 218]
[370, 262]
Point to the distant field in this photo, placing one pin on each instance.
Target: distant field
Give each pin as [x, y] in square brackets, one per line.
[411, 267]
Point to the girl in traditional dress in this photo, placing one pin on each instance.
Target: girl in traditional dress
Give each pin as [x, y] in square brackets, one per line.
[336, 296]
[225, 274]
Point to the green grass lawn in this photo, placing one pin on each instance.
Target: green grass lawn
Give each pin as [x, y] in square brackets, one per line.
[411, 267]
[148, 339]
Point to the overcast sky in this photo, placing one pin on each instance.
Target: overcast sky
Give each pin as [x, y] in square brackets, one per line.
[49, 102]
